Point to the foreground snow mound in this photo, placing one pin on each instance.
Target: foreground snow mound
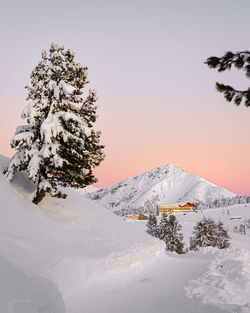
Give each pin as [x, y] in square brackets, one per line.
[167, 184]
[57, 249]
[22, 291]
[72, 256]
[87, 190]
[226, 282]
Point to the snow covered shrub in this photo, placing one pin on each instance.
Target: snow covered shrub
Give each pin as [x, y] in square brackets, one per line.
[173, 236]
[169, 230]
[222, 237]
[152, 228]
[242, 229]
[207, 233]
[204, 234]
[58, 146]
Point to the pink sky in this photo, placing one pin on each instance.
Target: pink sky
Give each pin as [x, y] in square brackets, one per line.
[157, 99]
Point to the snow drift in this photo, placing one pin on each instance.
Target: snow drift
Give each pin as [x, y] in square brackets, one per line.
[56, 248]
[73, 256]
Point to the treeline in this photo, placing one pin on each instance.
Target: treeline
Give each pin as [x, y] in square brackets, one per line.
[206, 233]
[224, 202]
[151, 208]
[137, 211]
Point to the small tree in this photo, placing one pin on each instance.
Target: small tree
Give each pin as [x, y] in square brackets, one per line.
[241, 60]
[163, 227]
[222, 237]
[204, 234]
[152, 228]
[174, 238]
[58, 146]
[207, 233]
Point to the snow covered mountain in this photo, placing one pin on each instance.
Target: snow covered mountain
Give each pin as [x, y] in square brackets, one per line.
[166, 184]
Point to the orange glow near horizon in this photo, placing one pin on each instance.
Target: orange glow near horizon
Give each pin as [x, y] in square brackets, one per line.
[157, 98]
[197, 145]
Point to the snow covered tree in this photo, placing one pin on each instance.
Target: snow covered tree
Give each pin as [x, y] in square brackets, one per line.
[58, 146]
[207, 233]
[152, 228]
[241, 60]
[174, 238]
[204, 234]
[222, 237]
[163, 227]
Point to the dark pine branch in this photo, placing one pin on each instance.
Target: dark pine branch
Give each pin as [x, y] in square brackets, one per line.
[232, 94]
[240, 60]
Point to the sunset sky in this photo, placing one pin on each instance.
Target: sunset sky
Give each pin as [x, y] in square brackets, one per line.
[157, 98]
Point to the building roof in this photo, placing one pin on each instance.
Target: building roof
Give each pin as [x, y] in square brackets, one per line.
[176, 205]
[189, 204]
[142, 217]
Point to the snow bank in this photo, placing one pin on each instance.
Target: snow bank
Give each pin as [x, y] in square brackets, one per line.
[61, 247]
[75, 253]
[226, 282]
[25, 292]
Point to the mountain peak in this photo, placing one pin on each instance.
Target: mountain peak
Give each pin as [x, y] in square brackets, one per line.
[164, 184]
[172, 167]
[159, 171]
[168, 166]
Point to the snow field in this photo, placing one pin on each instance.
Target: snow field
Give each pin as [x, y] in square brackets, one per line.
[226, 282]
[23, 291]
[74, 256]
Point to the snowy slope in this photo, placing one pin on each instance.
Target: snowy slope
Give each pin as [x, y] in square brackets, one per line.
[167, 184]
[88, 189]
[72, 256]
[62, 243]
[24, 291]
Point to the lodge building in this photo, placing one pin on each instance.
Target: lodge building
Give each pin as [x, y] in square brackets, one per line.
[188, 207]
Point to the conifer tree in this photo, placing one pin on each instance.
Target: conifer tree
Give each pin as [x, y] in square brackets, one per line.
[222, 237]
[163, 227]
[152, 228]
[241, 61]
[204, 234]
[174, 238]
[58, 146]
[207, 233]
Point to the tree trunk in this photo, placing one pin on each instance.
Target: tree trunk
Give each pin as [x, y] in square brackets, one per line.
[40, 194]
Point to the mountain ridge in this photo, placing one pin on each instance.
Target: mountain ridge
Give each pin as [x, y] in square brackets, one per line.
[167, 184]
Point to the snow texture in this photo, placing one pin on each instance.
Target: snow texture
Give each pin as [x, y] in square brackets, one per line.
[74, 256]
[226, 282]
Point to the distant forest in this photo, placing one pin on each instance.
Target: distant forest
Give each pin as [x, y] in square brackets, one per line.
[151, 208]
